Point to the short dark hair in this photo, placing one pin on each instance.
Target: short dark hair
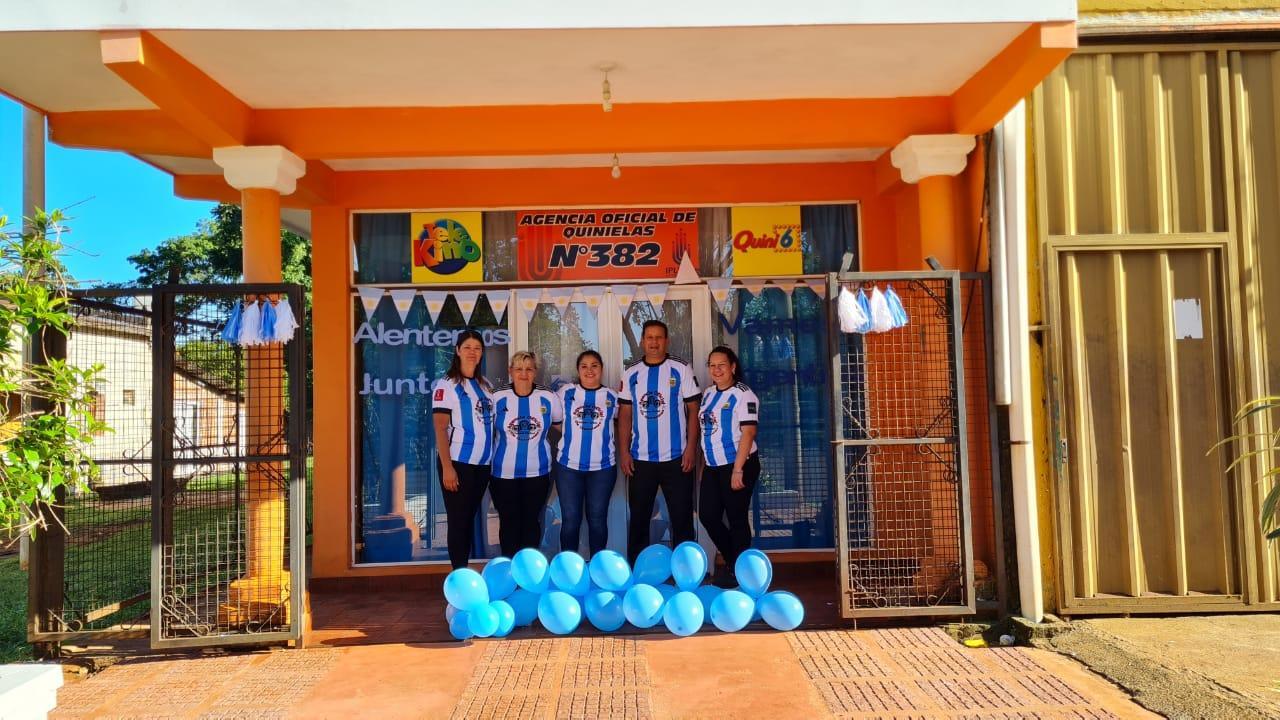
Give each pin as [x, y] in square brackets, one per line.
[655, 323]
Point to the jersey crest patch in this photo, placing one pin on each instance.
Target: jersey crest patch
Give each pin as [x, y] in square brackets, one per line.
[524, 427]
[653, 405]
[484, 409]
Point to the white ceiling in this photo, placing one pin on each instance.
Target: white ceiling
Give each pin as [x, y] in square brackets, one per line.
[551, 67]
[296, 69]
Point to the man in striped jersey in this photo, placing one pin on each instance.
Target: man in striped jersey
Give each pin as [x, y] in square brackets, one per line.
[658, 411]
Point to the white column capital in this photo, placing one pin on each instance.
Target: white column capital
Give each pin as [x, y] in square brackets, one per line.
[269, 167]
[922, 156]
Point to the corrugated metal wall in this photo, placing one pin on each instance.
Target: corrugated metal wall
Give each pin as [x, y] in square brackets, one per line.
[1159, 209]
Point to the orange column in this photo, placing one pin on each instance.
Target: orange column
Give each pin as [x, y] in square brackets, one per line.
[331, 401]
[938, 236]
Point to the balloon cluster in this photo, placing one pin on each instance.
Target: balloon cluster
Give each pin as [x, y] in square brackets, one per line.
[513, 592]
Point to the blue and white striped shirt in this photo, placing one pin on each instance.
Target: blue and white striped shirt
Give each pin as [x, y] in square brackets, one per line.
[520, 424]
[657, 394]
[723, 415]
[470, 409]
[589, 415]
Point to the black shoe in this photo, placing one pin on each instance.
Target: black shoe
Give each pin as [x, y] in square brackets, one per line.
[724, 578]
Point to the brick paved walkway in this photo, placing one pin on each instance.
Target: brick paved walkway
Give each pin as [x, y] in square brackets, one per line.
[890, 673]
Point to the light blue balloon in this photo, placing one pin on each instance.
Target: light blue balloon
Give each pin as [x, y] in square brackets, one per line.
[525, 605]
[483, 620]
[707, 594]
[559, 612]
[609, 570]
[688, 565]
[642, 606]
[450, 611]
[568, 572]
[529, 568]
[506, 617]
[653, 565]
[497, 576]
[465, 589]
[782, 610]
[731, 611]
[604, 609]
[754, 572]
[683, 614]
[460, 626]
[668, 591]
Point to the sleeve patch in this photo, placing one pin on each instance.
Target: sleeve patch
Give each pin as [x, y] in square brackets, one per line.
[439, 394]
[751, 408]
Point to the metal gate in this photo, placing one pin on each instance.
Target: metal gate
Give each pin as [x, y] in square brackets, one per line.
[905, 541]
[188, 534]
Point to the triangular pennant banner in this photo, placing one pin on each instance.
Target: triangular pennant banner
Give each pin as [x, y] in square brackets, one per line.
[817, 285]
[686, 275]
[369, 298]
[434, 300]
[528, 299]
[403, 300]
[786, 286]
[719, 288]
[752, 285]
[656, 293]
[624, 294]
[498, 303]
[466, 300]
[592, 296]
[560, 297]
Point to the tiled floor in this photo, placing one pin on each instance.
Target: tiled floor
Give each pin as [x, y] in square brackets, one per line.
[892, 673]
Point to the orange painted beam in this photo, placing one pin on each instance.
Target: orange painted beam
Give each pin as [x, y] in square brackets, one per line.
[144, 132]
[317, 187]
[559, 187]
[184, 92]
[331, 133]
[1011, 76]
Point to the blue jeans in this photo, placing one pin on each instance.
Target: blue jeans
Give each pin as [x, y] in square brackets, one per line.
[594, 487]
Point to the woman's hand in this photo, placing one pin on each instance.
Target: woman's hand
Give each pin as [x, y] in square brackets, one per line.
[625, 463]
[737, 482]
[449, 477]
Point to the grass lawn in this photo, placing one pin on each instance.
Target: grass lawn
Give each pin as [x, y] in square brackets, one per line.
[13, 612]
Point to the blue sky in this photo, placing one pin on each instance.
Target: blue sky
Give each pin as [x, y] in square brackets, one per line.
[121, 204]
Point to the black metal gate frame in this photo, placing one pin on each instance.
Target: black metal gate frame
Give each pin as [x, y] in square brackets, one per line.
[164, 462]
[46, 579]
[834, 283]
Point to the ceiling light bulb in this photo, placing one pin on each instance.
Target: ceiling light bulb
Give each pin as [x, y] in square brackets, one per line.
[607, 95]
[616, 172]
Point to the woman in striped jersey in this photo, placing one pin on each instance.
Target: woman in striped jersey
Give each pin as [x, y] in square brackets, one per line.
[586, 462]
[463, 412]
[729, 415]
[522, 414]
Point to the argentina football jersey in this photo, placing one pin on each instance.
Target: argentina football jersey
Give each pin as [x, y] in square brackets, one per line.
[470, 410]
[520, 427]
[589, 417]
[657, 394]
[723, 414]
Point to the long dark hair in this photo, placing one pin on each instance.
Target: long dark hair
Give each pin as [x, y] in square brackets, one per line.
[728, 353]
[588, 353]
[454, 372]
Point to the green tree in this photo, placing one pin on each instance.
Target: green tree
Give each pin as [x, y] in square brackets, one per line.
[44, 440]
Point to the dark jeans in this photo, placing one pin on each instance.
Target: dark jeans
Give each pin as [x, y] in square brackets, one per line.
[594, 488]
[460, 507]
[719, 501]
[677, 488]
[519, 503]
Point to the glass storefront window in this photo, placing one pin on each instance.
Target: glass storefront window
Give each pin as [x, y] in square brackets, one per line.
[781, 342]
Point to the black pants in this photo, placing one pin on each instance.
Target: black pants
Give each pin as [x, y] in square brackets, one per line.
[460, 507]
[677, 488]
[719, 501]
[520, 503]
